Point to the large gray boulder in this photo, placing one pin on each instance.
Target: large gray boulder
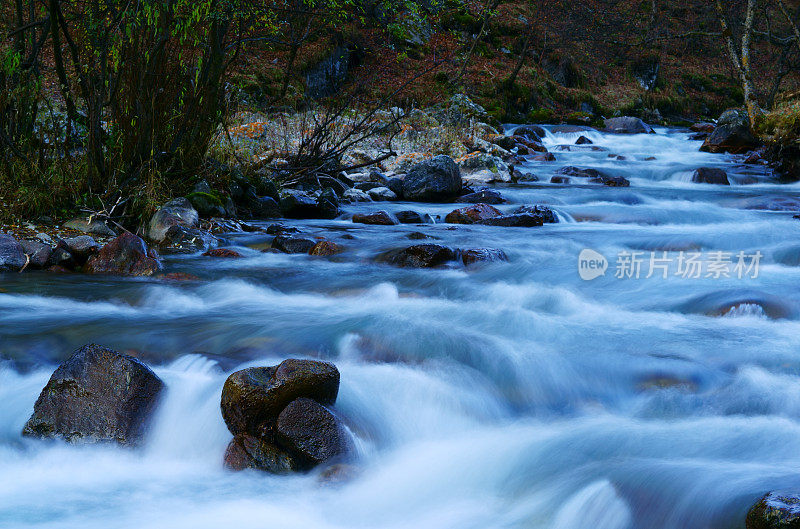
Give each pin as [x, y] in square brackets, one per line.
[97, 395]
[628, 125]
[12, 255]
[176, 212]
[434, 180]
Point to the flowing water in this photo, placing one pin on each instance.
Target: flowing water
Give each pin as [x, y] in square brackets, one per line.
[506, 395]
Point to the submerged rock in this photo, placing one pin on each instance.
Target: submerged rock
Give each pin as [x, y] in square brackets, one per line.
[245, 451]
[183, 239]
[293, 243]
[326, 249]
[380, 218]
[476, 255]
[710, 175]
[437, 179]
[485, 196]
[96, 395]
[418, 256]
[127, 254]
[223, 252]
[516, 220]
[252, 398]
[412, 217]
[472, 214]
[311, 432]
[546, 214]
[776, 510]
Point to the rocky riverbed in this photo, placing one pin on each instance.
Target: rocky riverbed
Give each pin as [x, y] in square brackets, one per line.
[605, 335]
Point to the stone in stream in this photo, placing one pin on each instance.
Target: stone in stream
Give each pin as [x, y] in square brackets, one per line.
[378, 218]
[583, 140]
[472, 214]
[311, 433]
[547, 215]
[252, 398]
[776, 510]
[476, 255]
[437, 179]
[702, 126]
[82, 247]
[182, 239]
[628, 125]
[611, 181]
[710, 175]
[293, 243]
[97, 395]
[127, 254]
[412, 217]
[178, 211]
[223, 252]
[516, 220]
[326, 249]
[12, 255]
[245, 451]
[530, 132]
[381, 193]
[485, 196]
[732, 134]
[569, 170]
[299, 205]
[38, 252]
[418, 256]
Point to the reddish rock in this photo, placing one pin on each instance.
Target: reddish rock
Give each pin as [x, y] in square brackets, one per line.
[126, 254]
[546, 157]
[223, 252]
[326, 248]
[379, 218]
[472, 214]
[419, 256]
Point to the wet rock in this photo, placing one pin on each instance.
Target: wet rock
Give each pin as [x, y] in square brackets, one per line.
[178, 276]
[476, 255]
[579, 173]
[437, 179]
[97, 395]
[611, 181]
[418, 256]
[583, 140]
[206, 202]
[703, 127]
[82, 247]
[37, 252]
[277, 229]
[418, 236]
[710, 175]
[546, 157]
[60, 256]
[661, 382]
[517, 220]
[127, 254]
[485, 196]
[530, 132]
[699, 136]
[733, 139]
[178, 211]
[558, 179]
[326, 249]
[378, 218]
[183, 239]
[293, 244]
[472, 214]
[776, 510]
[299, 205]
[524, 141]
[628, 125]
[311, 432]
[265, 208]
[12, 255]
[396, 185]
[245, 451]
[92, 227]
[502, 141]
[546, 214]
[412, 217]
[252, 398]
[225, 253]
[381, 194]
[356, 195]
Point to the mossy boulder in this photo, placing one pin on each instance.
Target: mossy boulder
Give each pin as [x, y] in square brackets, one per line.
[97, 395]
[776, 510]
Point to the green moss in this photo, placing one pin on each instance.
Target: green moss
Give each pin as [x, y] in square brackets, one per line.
[210, 197]
[541, 115]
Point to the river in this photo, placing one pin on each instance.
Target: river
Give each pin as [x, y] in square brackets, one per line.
[502, 395]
